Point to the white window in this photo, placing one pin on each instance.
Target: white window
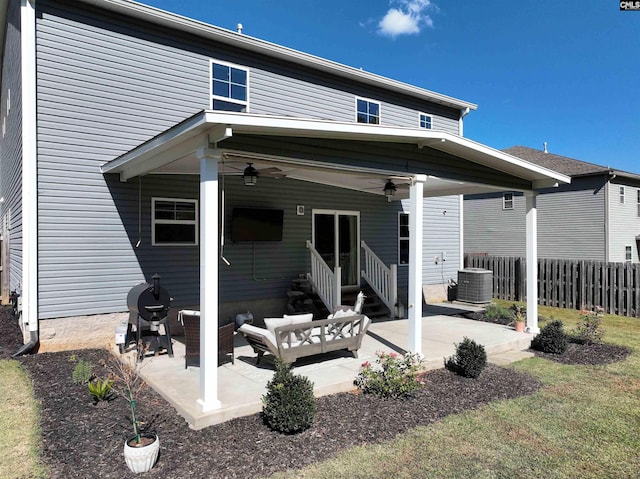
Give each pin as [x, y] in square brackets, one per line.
[367, 111]
[403, 238]
[622, 195]
[229, 87]
[627, 254]
[425, 121]
[174, 222]
[507, 201]
[638, 203]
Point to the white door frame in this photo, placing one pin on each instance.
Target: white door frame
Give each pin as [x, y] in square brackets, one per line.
[336, 215]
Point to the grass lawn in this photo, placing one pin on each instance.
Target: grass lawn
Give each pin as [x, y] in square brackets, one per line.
[19, 436]
[585, 423]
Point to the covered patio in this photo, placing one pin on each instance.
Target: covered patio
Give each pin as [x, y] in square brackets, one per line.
[242, 383]
[351, 156]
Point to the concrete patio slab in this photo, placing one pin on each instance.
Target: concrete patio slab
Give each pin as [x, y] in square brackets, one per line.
[242, 384]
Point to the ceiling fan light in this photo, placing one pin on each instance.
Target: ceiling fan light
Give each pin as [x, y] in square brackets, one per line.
[250, 175]
[389, 189]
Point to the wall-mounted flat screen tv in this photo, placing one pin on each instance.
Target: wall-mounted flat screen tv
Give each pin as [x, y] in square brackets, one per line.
[256, 224]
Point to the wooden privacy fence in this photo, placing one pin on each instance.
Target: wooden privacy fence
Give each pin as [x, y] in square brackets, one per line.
[567, 284]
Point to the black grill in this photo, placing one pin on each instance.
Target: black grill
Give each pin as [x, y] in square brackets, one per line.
[148, 309]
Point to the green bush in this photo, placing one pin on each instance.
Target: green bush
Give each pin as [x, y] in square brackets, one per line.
[495, 311]
[391, 376]
[289, 405]
[470, 359]
[551, 339]
[82, 372]
[589, 330]
[100, 389]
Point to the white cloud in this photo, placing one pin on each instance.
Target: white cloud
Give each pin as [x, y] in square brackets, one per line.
[406, 17]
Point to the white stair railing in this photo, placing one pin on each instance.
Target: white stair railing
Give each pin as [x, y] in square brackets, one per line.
[326, 283]
[382, 279]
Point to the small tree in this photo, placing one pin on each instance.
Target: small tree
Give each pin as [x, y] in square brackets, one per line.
[470, 359]
[289, 405]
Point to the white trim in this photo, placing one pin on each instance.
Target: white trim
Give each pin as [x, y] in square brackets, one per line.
[212, 96]
[155, 221]
[336, 231]
[220, 125]
[504, 201]
[420, 115]
[368, 100]
[461, 230]
[29, 166]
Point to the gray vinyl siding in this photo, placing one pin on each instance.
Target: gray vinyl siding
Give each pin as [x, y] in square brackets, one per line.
[624, 222]
[106, 84]
[11, 144]
[571, 223]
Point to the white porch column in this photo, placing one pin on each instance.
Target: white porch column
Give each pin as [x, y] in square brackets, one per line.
[209, 279]
[415, 264]
[532, 263]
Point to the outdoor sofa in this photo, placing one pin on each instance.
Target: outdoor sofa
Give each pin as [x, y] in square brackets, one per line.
[297, 336]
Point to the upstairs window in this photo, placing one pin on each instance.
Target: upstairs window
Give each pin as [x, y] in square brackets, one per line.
[638, 203]
[403, 238]
[507, 201]
[174, 222]
[229, 87]
[622, 195]
[425, 121]
[627, 254]
[367, 111]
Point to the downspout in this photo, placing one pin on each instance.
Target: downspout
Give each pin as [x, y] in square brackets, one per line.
[29, 177]
[463, 113]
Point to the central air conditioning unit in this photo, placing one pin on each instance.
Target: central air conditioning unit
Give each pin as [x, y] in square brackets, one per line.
[475, 285]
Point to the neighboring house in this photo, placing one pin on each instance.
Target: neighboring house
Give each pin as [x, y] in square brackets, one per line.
[131, 141]
[596, 217]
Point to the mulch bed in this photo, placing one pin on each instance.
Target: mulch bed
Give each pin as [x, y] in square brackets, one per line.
[588, 354]
[83, 440]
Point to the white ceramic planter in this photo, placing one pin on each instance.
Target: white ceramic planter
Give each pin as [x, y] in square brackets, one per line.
[141, 459]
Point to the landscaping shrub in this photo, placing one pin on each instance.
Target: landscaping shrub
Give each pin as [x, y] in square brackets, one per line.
[82, 371]
[391, 376]
[470, 359]
[552, 339]
[289, 405]
[100, 389]
[495, 311]
[589, 329]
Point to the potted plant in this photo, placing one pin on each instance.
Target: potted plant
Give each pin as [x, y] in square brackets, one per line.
[519, 321]
[142, 449]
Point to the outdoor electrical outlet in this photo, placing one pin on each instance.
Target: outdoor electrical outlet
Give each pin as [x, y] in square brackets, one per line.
[436, 259]
[444, 256]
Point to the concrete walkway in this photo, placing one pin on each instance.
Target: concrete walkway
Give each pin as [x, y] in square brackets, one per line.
[241, 385]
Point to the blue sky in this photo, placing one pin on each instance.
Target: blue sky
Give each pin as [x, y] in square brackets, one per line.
[565, 72]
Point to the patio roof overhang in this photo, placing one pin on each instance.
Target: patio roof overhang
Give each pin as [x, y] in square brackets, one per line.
[409, 152]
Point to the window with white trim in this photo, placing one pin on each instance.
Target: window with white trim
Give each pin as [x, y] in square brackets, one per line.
[628, 256]
[403, 238]
[174, 222]
[639, 203]
[507, 201]
[622, 195]
[229, 87]
[367, 111]
[425, 121]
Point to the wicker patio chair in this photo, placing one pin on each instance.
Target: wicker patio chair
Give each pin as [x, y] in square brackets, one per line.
[191, 322]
